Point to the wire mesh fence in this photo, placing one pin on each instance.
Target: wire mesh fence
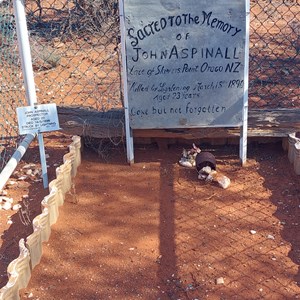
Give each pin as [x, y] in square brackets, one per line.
[12, 93]
[76, 56]
[75, 52]
[274, 54]
[75, 46]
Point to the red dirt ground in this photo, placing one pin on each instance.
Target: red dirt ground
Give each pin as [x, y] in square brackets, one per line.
[28, 193]
[154, 231]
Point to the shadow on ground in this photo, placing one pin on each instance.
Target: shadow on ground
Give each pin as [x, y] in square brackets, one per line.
[153, 231]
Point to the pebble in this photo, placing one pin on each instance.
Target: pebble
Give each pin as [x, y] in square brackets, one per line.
[11, 182]
[29, 166]
[9, 222]
[6, 206]
[190, 287]
[16, 206]
[36, 172]
[270, 237]
[220, 280]
[21, 178]
[29, 172]
[6, 199]
[252, 231]
[3, 193]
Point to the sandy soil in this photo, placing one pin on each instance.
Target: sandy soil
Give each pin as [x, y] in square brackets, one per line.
[154, 231]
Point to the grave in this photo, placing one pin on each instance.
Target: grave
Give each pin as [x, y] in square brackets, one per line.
[186, 65]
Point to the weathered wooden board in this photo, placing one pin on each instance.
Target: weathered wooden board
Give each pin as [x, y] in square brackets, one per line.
[87, 122]
[185, 63]
[84, 121]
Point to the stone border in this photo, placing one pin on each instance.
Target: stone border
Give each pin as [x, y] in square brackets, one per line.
[294, 152]
[19, 270]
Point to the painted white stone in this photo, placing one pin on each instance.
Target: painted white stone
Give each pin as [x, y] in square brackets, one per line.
[7, 199]
[16, 206]
[22, 178]
[29, 166]
[6, 206]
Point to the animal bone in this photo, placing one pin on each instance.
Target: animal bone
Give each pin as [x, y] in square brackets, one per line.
[210, 175]
[205, 164]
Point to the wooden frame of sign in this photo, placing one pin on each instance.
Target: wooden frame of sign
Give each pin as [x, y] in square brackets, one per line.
[185, 65]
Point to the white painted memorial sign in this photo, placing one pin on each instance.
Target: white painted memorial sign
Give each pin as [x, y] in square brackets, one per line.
[185, 62]
[38, 118]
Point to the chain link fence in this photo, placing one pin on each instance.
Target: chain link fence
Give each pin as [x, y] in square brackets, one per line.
[274, 54]
[75, 48]
[12, 93]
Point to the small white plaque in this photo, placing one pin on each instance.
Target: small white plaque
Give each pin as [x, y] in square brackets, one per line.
[38, 118]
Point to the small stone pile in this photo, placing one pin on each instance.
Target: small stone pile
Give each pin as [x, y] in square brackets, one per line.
[29, 172]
